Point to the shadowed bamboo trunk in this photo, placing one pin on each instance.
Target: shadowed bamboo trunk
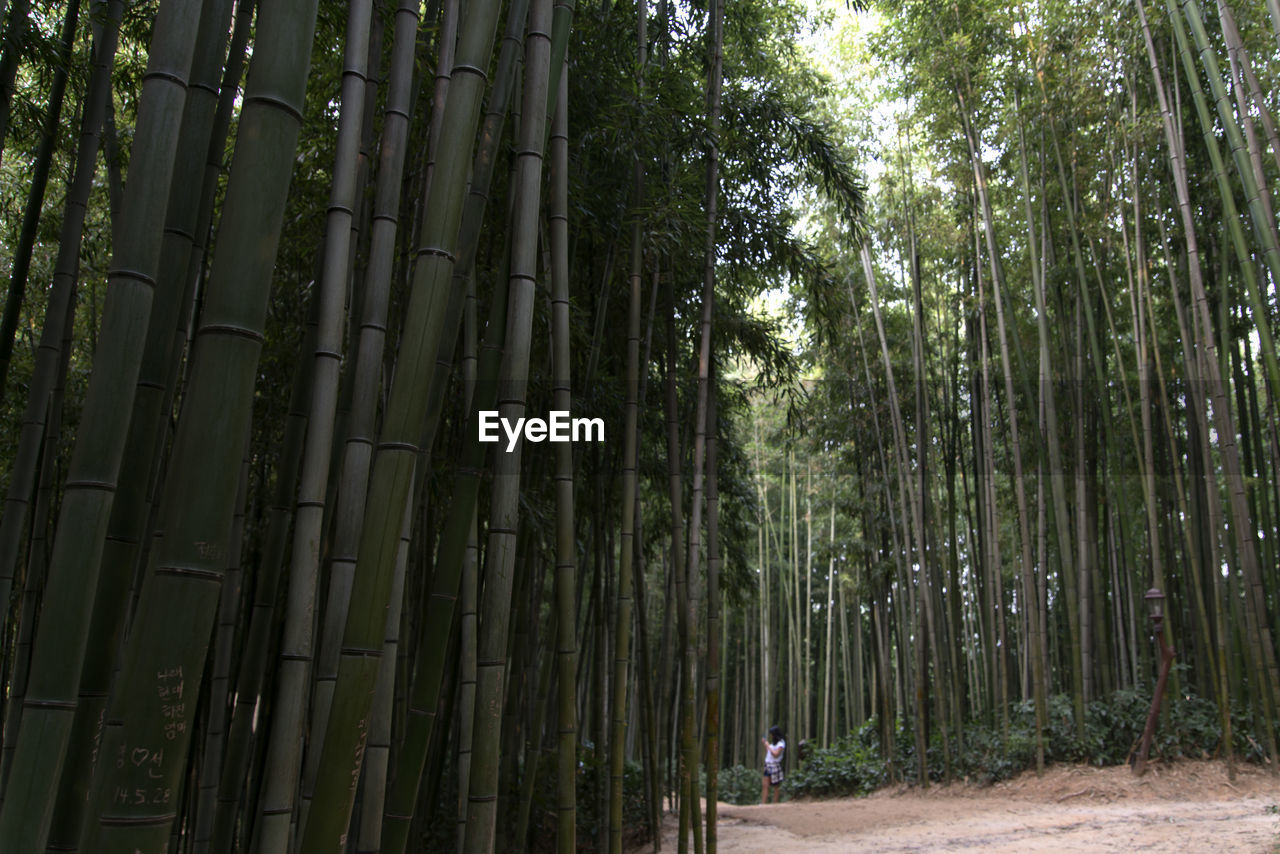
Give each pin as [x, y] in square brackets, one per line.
[215, 729]
[467, 615]
[403, 425]
[566, 545]
[378, 755]
[1260, 645]
[1057, 471]
[51, 352]
[1035, 627]
[927, 550]
[630, 440]
[358, 447]
[1086, 554]
[133, 511]
[284, 745]
[713, 679]
[704, 421]
[1206, 627]
[469, 594]
[912, 523]
[765, 696]
[986, 482]
[440, 606]
[513, 382]
[58, 654]
[828, 701]
[150, 720]
[879, 625]
[682, 732]
[1144, 347]
[232, 783]
[1194, 363]
[222, 709]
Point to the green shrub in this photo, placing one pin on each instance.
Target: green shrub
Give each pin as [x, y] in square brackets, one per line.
[737, 785]
[851, 766]
[1194, 730]
[1113, 726]
[592, 827]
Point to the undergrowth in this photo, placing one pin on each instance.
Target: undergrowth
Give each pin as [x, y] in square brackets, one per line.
[856, 765]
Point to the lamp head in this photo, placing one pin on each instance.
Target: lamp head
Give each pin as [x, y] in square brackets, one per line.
[1155, 604]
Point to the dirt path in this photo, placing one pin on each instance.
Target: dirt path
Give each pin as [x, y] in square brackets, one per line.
[1188, 807]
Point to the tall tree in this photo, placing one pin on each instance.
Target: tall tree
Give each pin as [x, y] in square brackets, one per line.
[163, 658]
[95, 467]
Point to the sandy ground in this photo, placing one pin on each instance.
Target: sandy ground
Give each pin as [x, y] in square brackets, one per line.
[1185, 807]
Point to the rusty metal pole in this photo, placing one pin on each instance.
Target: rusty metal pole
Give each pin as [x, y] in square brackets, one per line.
[1155, 599]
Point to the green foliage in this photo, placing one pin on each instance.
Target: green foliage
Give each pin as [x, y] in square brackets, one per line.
[1189, 728]
[439, 831]
[737, 785]
[987, 759]
[851, 766]
[593, 771]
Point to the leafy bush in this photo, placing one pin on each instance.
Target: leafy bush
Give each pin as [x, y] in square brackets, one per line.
[737, 785]
[1189, 727]
[851, 766]
[1194, 729]
[1113, 727]
[592, 827]
[987, 759]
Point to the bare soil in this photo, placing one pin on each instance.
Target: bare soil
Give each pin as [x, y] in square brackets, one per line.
[1184, 807]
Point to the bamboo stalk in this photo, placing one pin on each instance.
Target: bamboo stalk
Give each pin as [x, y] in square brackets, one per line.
[163, 658]
[59, 310]
[285, 741]
[566, 545]
[513, 379]
[58, 654]
[1261, 648]
[403, 424]
[21, 263]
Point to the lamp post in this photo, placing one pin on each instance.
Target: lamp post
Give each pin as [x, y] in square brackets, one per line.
[1155, 604]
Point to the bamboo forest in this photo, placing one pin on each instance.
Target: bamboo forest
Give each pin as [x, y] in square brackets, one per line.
[509, 425]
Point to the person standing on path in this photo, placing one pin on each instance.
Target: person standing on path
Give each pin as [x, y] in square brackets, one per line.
[775, 748]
